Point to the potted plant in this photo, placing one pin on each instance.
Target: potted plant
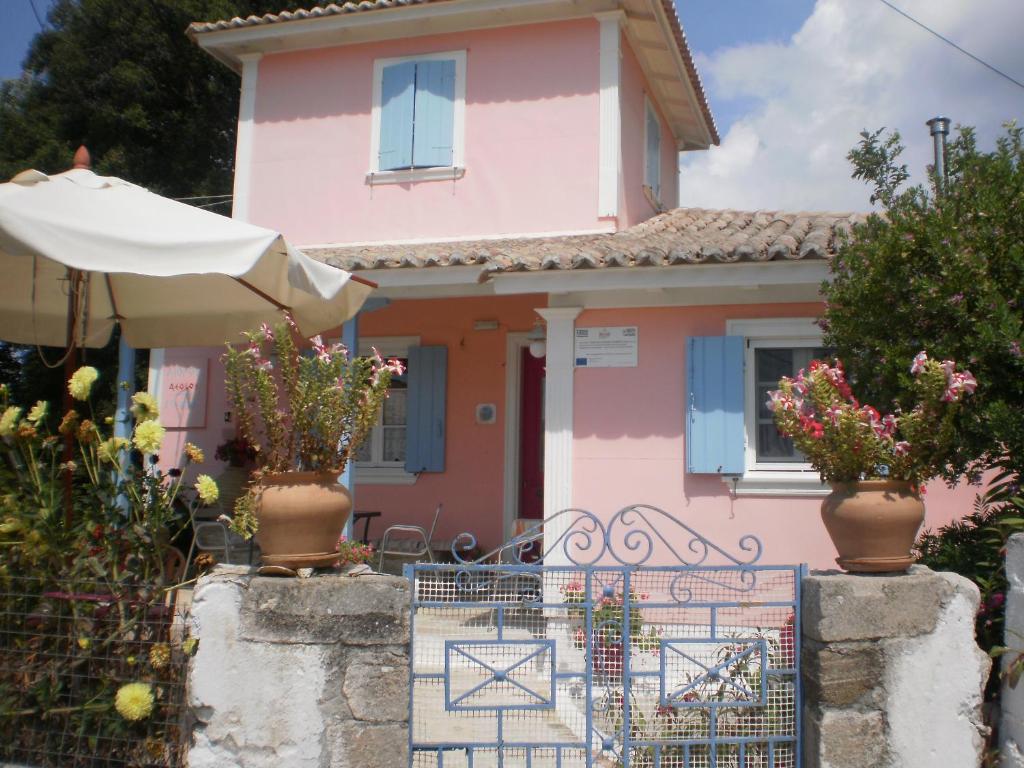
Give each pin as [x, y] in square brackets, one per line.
[876, 464]
[304, 412]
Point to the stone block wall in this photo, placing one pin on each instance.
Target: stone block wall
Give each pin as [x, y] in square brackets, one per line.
[892, 675]
[303, 673]
[1011, 730]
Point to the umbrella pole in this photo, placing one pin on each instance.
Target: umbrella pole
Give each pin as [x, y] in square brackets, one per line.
[70, 364]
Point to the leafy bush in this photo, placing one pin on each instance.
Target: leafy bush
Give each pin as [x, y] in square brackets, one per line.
[942, 272]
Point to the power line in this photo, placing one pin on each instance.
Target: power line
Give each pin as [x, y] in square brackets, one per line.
[35, 13]
[946, 40]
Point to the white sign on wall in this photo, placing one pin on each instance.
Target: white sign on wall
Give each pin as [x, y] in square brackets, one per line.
[606, 347]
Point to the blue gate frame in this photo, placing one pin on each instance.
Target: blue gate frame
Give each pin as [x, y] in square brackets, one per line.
[633, 642]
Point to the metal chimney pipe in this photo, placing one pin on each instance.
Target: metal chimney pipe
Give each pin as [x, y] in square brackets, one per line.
[940, 130]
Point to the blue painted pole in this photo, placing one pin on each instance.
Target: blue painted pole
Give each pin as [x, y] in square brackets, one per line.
[123, 414]
[125, 389]
[350, 338]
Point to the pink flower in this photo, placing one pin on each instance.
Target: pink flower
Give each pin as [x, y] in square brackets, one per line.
[290, 320]
[888, 426]
[902, 448]
[267, 332]
[918, 365]
[397, 369]
[834, 413]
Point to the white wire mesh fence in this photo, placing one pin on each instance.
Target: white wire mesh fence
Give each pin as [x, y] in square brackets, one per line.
[531, 665]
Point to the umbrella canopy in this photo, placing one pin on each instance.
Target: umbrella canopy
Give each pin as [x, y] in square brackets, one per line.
[169, 273]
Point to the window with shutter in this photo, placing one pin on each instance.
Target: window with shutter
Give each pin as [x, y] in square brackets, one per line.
[652, 153]
[419, 107]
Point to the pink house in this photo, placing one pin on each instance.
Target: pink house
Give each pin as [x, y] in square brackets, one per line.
[506, 170]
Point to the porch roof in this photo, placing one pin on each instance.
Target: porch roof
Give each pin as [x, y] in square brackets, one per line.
[677, 237]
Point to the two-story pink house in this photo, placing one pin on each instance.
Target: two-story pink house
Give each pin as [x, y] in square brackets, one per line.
[504, 169]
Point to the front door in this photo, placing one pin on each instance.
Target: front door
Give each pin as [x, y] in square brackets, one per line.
[531, 438]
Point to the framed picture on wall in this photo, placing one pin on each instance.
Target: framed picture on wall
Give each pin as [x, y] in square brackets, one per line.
[184, 386]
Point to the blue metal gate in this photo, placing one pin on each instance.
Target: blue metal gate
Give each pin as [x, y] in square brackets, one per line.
[636, 642]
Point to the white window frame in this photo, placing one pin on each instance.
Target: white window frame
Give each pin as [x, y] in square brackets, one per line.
[653, 194]
[457, 169]
[771, 478]
[392, 473]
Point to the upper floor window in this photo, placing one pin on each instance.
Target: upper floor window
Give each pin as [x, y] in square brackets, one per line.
[652, 153]
[418, 115]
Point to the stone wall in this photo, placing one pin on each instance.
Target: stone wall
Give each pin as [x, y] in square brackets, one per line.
[1011, 730]
[303, 673]
[892, 675]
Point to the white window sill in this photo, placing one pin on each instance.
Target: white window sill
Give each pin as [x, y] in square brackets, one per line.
[778, 483]
[383, 476]
[374, 178]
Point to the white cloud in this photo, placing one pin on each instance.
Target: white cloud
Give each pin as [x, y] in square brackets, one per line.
[854, 64]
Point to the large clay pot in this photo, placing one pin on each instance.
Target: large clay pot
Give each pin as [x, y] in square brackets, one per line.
[873, 524]
[301, 516]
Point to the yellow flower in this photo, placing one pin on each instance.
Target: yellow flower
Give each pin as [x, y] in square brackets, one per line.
[159, 656]
[148, 436]
[9, 421]
[84, 643]
[38, 412]
[110, 450]
[207, 489]
[194, 453]
[134, 701]
[144, 407]
[189, 645]
[81, 382]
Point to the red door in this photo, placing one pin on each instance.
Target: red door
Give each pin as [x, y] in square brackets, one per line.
[531, 438]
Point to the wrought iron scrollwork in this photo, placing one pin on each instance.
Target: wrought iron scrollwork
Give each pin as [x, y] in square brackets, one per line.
[633, 536]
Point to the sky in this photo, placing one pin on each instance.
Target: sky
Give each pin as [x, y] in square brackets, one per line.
[792, 83]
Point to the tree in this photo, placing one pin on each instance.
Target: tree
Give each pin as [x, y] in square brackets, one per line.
[940, 270]
[123, 78]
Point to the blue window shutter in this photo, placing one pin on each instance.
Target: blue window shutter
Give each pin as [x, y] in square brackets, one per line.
[434, 130]
[714, 403]
[653, 174]
[397, 96]
[428, 368]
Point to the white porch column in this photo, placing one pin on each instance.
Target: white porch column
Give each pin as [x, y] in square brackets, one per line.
[243, 139]
[610, 106]
[558, 420]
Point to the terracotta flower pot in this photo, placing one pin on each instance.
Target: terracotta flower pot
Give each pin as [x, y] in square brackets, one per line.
[301, 516]
[873, 524]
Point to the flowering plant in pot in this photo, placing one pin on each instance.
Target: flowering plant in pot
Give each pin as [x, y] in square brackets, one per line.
[305, 412]
[875, 463]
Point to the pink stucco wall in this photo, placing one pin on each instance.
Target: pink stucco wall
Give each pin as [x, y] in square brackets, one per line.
[633, 204]
[629, 442]
[216, 430]
[531, 140]
[471, 485]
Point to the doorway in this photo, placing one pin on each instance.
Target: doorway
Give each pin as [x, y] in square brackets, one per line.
[531, 437]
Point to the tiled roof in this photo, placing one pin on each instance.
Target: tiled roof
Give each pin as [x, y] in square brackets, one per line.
[335, 9]
[331, 9]
[681, 236]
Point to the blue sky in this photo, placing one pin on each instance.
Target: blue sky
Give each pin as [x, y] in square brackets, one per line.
[793, 82]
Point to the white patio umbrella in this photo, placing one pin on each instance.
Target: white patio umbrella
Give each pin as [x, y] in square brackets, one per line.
[169, 273]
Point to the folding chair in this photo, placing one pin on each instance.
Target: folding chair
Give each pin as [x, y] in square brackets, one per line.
[410, 542]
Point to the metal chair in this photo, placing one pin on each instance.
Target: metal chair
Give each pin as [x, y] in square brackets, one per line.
[412, 543]
[209, 534]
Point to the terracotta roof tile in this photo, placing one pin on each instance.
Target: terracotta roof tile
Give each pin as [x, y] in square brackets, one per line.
[331, 9]
[681, 236]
